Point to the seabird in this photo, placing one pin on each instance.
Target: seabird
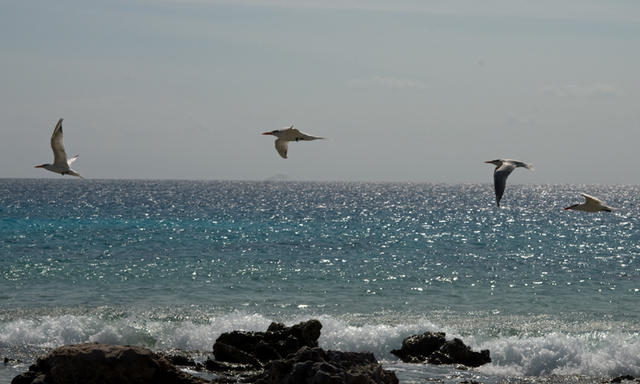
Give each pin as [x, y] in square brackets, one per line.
[591, 204]
[284, 136]
[60, 163]
[503, 169]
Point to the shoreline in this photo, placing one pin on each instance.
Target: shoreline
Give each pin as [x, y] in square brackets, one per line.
[199, 363]
[570, 350]
[407, 373]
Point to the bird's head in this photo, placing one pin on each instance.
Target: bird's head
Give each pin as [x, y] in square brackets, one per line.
[496, 162]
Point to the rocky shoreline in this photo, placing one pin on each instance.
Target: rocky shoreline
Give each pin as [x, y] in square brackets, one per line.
[279, 355]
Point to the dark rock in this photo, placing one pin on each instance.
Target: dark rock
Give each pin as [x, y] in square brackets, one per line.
[230, 373]
[177, 357]
[221, 366]
[418, 348]
[456, 352]
[103, 364]
[434, 349]
[290, 355]
[8, 361]
[259, 348]
[26, 377]
[266, 352]
[228, 353]
[314, 365]
[620, 378]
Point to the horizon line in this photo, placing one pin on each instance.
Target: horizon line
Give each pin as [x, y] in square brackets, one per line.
[313, 181]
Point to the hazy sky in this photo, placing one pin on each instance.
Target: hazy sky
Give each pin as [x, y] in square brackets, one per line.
[404, 90]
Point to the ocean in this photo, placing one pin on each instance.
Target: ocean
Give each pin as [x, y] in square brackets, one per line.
[552, 294]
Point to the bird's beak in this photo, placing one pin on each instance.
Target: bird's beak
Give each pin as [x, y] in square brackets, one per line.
[489, 162]
[268, 133]
[37, 166]
[566, 209]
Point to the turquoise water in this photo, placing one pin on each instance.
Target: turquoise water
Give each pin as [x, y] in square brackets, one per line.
[172, 264]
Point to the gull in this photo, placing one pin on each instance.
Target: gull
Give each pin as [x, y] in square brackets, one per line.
[591, 204]
[284, 136]
[60, 164]
[503, 169]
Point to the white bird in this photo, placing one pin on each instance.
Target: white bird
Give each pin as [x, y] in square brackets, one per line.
[503, 169]
[60, 163]
[284, 136]
[591, 204]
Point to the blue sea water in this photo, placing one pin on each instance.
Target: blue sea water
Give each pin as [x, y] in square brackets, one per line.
[173, 264]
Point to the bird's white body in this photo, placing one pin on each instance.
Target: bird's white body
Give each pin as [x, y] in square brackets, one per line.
[591, 204]
[503, 169]
[284, 136]
[61, 164]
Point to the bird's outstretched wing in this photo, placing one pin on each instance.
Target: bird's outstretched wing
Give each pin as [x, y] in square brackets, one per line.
[282, 147]
[500, 179]
[59, 155]
[71, 160]
[595, 203]
[521, 164]
[590, 199]
[297, 135]
[304, 136]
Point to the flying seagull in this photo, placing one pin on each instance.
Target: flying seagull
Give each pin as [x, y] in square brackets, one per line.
[591, 204]
[60, 164]
[503, 169]
[284, 136]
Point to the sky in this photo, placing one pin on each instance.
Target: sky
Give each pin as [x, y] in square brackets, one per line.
[418, 91]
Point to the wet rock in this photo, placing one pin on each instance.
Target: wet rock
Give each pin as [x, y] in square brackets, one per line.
[227, 373]
[418, 348]
[103, 364]
[228, 353]
[28, 378]
[433, 348]
[456, 352]
[288, 355]
[259, 348]
[8, 361]
[222, 367]
[619, 379]
[316, 366]
[178, 357]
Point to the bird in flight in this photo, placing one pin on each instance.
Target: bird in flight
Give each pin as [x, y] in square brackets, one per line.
[591, 204]
[284, 136]
[503, 169]
[61, 164]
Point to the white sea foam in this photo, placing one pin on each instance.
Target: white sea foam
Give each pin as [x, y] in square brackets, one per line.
[338, 334]
[590, 354]
[48, 331]
[54, 331]
[593, 353]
